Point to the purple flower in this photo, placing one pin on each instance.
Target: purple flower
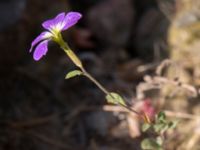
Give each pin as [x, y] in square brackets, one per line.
[53, 26]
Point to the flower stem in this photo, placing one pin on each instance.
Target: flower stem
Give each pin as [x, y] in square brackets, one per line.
[90, 77]
[103, 89]
[78, 63]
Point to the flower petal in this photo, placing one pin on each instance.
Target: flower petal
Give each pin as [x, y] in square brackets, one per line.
[42, 36]
[40, 50]
[71, 19]
[52, 23]
[59, 18]
[48, 24]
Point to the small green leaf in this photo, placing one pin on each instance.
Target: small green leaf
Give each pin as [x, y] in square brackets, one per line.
[150, 144]
[73, 73]
[173, 124]
[115, 98]
[145, 127]
[161, 117]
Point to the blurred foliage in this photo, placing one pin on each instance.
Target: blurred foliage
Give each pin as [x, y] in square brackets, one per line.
[158, 127]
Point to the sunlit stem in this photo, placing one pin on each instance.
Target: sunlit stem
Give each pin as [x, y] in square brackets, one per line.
[78, 63]
[85, 73]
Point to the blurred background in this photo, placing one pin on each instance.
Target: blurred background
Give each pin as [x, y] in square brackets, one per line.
[119, 42]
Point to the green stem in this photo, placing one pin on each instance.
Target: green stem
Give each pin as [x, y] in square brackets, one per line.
[91, 78]
[103, 89]
[78, 63]
[94, 81]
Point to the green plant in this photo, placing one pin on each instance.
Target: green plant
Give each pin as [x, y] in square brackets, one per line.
[158, 127]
